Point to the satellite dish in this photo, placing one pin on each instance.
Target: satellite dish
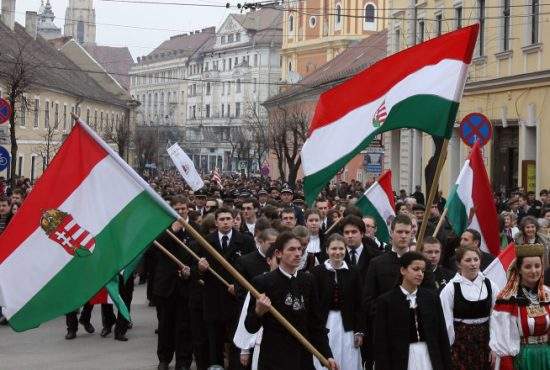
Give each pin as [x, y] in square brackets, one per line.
[294, 77]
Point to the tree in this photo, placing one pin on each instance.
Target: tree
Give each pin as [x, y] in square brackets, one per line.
[121, 135]
[287, 133]
[147, 146]
[51, 141]
[18, 72]
[257, 126]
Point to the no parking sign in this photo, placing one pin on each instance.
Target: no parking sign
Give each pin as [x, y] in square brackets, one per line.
[476, 127]
[5, 111]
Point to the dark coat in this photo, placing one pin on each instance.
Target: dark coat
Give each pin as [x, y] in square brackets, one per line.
[165, 277]
[370, 251]
[280, 350]
[249, 266]
[218, 303]
[350, 283]
[392, 328]
[442, 276]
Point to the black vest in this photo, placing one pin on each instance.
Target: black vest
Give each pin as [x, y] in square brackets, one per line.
[464, 309]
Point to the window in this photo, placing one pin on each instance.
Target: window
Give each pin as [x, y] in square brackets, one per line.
[230, 63]
[458, 17]
[236, 61]
[65, 117]
[534, 21]
[194, 110]
[312, 21]
[80, 32]
[439, 24]
[289, 66]
[338, 15]
[207, 110]
[291, 23]
[33, 164]
[56, 116]
[421, 31]
[206, 67]
[222, 40]
[397, 40]
[20, 165]
[208, 88]
[255, 81]
[228, 110]
[100, 120]
[238, 37]
[255, 60]
[230, 38]
[238, 85]
[506, 26]
[481, 20]
[36, 112]
[47, 114]
[95, 119]
[223, 110]
[23, 112]
[370, 11]
[237, 109]
[223, 64]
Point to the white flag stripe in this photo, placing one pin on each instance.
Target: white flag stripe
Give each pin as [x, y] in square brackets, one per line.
[52, 256]
[379, 199]
[70, 225]
[185, 167]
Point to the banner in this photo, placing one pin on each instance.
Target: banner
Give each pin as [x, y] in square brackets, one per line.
[185, 166]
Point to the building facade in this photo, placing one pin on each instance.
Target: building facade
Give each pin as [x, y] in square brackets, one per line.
[230, 77]
[46, 28]
[315, 31]
[508, 81]
[80, 21]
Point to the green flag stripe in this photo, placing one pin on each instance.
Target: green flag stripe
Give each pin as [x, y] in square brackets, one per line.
[428, 113]
[128, 233]
[368, 209]
[456, 212]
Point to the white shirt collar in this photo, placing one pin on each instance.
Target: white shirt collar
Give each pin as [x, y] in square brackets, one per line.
[458, 278]
[358, 250]
[329, 266]
[287, 274]
[260, 250]
[411, 297]
[229, 235]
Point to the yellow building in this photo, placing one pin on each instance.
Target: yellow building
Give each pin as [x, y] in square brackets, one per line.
[315, 31]
[508, 81]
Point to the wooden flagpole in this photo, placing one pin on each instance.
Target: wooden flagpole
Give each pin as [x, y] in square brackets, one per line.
[433, 190]
[192, 253]
[440, 222]
[169, 255]
[243, 282]
[333, 225]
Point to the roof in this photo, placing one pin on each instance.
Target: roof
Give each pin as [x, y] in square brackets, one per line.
[179, 46]
[50, 68]
[357, 57]
[116, 61]
[265, 18]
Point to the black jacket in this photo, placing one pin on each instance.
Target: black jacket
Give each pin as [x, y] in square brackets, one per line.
[392, 328]
[350, 283]
[280, 350]
[370, 251]
[218, 304]
[250, 265]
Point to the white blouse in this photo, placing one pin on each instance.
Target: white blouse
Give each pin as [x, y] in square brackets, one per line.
[472, 291]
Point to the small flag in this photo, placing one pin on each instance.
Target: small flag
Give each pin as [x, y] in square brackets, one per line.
[498, 269]
[217, 178]
[185, 167]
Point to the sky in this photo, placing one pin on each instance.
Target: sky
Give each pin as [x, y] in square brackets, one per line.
[151, 23]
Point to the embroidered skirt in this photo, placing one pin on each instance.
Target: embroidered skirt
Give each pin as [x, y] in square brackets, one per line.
[533, 357]
[470, 350]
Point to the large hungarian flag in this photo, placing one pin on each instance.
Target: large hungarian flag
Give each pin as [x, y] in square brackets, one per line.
[419, 88]
[471, 203]
[378, 202]
[88, 217]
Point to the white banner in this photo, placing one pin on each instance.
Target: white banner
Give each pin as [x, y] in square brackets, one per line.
[185, 166]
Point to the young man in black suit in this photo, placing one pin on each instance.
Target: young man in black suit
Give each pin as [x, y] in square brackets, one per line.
[431, 249]
[359, 249]
[472, 238]
[221, 306]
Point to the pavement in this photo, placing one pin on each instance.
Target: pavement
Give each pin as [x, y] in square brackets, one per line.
[45, 347]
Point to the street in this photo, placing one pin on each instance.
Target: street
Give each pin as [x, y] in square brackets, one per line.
[46, 348]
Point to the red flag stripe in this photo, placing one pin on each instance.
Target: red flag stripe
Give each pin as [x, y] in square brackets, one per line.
[337, 102]
[75, 165]
[385, 182]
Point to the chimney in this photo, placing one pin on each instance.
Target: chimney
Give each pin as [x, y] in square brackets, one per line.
[31, 23]
[8, 13]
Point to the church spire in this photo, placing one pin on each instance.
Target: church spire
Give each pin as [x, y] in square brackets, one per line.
[80, 21]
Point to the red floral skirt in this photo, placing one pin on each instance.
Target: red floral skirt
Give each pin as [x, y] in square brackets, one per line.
[470, 351]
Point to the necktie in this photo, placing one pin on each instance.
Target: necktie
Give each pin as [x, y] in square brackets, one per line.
[353, 257]
[225, 239]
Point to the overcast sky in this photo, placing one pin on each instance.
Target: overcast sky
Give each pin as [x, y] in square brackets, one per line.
[158, 21]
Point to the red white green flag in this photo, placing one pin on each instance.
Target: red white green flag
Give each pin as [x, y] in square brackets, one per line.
[87, 218]
[419, 87]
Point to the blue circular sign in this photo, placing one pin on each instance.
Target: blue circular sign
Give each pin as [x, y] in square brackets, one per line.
[476, 127]
[4, 158]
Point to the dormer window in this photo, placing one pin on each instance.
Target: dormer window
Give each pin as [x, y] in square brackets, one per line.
[222, 40]
[230, 38]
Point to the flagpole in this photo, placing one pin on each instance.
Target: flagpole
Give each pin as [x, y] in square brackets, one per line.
[244, 283]
[440, 222]
[433, 190]
[333, 225]
[192, 253]
[169, 255]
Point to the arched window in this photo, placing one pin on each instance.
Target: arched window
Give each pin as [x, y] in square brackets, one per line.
[289, 66]
[338, 13]
[370, 11]
[80, 32]
[290, 23]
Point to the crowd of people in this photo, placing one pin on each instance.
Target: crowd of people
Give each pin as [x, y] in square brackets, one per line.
[360, 301]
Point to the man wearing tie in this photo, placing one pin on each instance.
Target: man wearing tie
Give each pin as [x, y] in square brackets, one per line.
[322, 206]
[360, 250]
[221, 306]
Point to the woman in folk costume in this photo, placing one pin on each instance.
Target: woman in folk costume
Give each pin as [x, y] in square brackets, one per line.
[467, 301]
[409, 331]
[520, 321]
[340, 305]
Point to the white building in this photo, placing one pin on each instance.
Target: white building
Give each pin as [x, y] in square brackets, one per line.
[230, 76]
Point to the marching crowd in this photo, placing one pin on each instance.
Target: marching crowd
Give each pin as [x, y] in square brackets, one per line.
[361, 302]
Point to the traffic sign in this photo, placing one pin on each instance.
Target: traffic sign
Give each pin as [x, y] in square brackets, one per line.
[5, 111]
[4, 158]
[476, 127]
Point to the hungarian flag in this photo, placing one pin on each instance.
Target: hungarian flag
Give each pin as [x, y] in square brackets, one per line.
[418, 88]
[498, 269]
[49, 265]
[471, 203]
[378, 201]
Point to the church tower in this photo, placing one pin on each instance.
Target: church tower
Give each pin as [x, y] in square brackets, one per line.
[80, 21]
